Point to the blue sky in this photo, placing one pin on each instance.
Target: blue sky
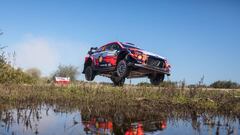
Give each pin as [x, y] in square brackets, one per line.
[198, 37]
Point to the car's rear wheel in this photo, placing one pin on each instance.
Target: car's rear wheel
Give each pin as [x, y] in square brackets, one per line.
[156, 79]
[89, 73]
[122, 69]
[117, 81]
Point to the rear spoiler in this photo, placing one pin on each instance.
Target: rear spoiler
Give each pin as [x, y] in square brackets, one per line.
[92, 50]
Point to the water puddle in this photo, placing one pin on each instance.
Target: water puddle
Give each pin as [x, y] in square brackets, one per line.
[50, 120]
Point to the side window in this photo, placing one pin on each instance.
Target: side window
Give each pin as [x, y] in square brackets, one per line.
[109, 47]
[101, 49]
[115, 47]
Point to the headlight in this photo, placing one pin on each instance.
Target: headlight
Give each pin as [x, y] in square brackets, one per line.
[140, 57]
[136, 54]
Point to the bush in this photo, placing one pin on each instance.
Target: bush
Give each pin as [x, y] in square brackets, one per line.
[143, 84]
[225, 85]
[14, 76]
[162, 84]
[10, 75]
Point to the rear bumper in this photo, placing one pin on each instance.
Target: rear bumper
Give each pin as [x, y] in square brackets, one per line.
[151, 68]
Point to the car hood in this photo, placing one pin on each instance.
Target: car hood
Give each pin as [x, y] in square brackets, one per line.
[147, 53]
[152, 54]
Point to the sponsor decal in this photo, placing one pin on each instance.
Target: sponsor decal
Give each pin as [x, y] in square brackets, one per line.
[100, 59]
[103, 65]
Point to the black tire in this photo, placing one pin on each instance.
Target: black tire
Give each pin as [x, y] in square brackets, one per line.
[118, 81]
[89, 73]
[122, 69]
[156, 79]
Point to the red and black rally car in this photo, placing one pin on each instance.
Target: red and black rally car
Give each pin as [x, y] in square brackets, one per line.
[118, 60]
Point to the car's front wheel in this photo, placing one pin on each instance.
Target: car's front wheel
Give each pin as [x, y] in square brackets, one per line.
[122, 69]
[156, 79]
[89, 73]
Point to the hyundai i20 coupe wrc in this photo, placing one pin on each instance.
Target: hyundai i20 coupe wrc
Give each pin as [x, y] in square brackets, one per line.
[118, 60]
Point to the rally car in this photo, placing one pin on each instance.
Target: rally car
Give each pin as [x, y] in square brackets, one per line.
[118, 60]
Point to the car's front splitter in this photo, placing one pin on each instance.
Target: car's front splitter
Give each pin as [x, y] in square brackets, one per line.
[151, 68]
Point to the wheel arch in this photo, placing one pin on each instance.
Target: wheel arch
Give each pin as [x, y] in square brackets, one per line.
[122, 55]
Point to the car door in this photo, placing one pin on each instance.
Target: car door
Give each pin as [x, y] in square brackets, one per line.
[108, 57]
[97, 56]
[111, 54]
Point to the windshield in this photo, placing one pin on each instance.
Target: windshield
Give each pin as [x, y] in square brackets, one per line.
[130, 46]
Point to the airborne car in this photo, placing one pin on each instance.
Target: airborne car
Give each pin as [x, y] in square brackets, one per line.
[118, 60]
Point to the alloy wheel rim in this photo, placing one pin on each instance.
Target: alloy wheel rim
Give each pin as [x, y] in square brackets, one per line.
[121, 69]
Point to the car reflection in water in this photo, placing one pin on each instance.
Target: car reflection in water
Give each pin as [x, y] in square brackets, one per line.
[142, 128]
[48, 120]
[105, 125]
[98, 126]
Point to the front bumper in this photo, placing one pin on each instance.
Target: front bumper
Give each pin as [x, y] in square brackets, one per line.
[151, 68]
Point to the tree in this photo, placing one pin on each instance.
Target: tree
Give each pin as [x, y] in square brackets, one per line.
[67, 71]
[34, 72]
[225, 85]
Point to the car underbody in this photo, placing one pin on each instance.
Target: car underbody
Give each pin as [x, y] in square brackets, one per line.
[137, 71]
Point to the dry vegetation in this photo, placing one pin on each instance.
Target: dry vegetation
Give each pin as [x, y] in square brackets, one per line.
[98, 97]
